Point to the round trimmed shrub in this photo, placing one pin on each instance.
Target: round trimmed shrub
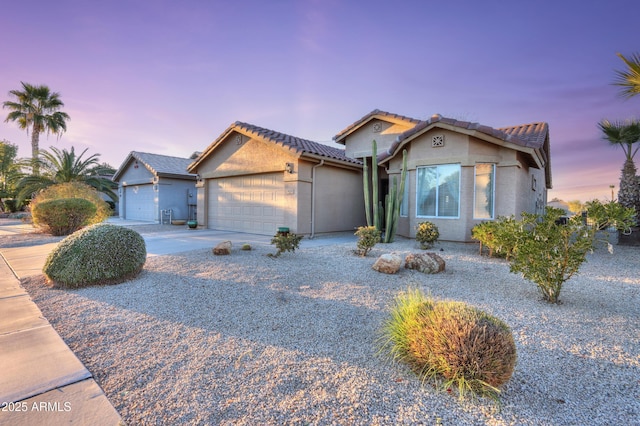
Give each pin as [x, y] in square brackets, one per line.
[73, 190]
[454, 344]
[96, 255]
[64, 215]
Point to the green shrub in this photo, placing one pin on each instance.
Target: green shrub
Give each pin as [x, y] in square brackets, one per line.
[549, 253]
[96, 255]
[285, 241]
[498, 236]
[451, 343]
[427, 234]
[368, 237]
[64, 215]
[11, 205]
[74, 190]
[611, 214]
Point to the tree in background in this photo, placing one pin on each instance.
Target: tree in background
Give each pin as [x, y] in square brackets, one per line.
[64, 166]
[625, 134]
[575, 206]
[36, 109]
[9, 174]
[629, 82]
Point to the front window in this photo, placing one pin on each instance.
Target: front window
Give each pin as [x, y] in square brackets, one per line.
[438, 191]
[484, 191]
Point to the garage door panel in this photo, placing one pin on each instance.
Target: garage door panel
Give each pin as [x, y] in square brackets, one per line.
[140, 202]
[247, 204]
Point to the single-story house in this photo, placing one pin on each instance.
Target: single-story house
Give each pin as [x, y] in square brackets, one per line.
[256, 180]
[156, 188]
[458, 173]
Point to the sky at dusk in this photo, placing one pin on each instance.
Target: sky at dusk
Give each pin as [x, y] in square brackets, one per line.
[168, 77]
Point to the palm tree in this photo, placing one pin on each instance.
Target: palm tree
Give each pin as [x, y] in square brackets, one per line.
[36, 109]
[629, 79]
[625, 134]
[64, 166]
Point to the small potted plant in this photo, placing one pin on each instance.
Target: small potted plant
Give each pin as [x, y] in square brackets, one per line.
[427, 234]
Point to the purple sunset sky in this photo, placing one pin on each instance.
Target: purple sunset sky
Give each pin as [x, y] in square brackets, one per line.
[168, 77]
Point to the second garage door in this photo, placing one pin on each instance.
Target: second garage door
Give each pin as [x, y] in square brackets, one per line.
[139, 202]
[254, 204]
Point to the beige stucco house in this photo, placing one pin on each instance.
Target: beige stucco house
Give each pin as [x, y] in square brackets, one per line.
[252, 179]
[459, 173]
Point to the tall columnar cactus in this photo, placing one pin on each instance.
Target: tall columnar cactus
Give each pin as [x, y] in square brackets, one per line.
[377, 220]
[394, 201]
[367, 198]
[374, 205]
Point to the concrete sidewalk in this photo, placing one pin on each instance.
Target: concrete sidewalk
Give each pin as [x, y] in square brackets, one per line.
[42, 381]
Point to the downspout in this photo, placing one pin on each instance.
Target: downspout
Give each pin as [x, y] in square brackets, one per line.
[313, 198]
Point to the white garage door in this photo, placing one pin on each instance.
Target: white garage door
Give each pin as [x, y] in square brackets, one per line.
[140, 202]
[252, 204]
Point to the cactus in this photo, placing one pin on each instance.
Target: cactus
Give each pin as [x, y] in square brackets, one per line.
[394, 200]
[374, 205]
[365, 185]
[377, 220]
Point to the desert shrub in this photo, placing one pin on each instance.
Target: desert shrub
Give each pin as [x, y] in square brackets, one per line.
[368, 237]
[498, 236]
[549, 253]
[74, 190]
[451, 343]
[610, 215]
[98, 254]
[64, 215]
[285, 241]
[427, 234]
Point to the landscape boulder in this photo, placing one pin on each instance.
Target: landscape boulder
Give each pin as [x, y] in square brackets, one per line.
[388, 263]
[428, 263]
[223, 248]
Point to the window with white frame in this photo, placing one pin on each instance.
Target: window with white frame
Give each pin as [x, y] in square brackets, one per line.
[438, 191]
[484, 191]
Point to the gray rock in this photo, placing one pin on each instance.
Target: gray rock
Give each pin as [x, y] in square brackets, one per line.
[428, 263]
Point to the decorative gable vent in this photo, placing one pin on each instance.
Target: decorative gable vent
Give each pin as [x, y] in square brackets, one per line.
[437, 141]
[377, 127]
[238, 139]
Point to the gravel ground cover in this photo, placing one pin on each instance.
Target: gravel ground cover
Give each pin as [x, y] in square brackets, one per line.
[247, 339]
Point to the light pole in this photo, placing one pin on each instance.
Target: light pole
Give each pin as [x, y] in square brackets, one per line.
[611, 186]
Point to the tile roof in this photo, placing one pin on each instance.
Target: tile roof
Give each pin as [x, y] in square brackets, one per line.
[527, 135]
[372, 114]
[302, 146]
[532, 135]
[160, 165]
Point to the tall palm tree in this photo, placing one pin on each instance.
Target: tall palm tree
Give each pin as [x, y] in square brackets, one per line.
[629, 79]
[625, 134]
[37, 110]
[64, 166]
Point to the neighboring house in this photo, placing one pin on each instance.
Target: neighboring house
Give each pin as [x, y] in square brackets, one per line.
[151, 185]
[256, 180]
[459, 173]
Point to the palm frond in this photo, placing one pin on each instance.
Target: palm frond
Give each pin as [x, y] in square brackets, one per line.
[629, 79]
